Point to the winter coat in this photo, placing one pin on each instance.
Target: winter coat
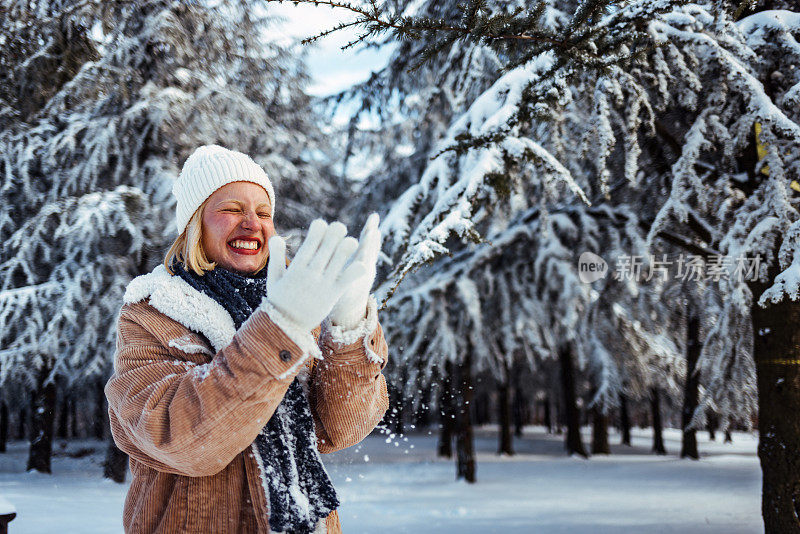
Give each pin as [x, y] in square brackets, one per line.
[190, 393]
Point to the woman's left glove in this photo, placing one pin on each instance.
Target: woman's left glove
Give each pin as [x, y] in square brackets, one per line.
[320, 273]
[351, 307]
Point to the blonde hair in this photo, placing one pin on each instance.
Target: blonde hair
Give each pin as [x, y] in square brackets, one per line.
[188, 247]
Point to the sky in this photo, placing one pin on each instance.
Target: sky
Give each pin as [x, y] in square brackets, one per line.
[332, 69]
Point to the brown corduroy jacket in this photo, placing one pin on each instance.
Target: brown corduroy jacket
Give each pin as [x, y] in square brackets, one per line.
[190, 393]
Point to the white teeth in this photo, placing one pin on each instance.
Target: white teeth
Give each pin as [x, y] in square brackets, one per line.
[240, 243]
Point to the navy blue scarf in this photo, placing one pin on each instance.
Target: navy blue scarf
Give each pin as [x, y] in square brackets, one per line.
[300, 492]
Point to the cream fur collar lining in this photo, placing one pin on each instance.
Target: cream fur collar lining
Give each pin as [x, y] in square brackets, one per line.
[176, 299]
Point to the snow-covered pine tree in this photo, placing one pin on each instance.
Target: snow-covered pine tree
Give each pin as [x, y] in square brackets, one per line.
[410, 86]
[439, 69]
[101, 101]
[733, 171]
[472, 175]
[399, 114]
[691, 91]
[520, 297]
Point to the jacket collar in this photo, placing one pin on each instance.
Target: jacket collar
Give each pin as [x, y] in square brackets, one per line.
[176, 299]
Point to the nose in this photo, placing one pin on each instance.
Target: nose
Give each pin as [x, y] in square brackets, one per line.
[250, 221]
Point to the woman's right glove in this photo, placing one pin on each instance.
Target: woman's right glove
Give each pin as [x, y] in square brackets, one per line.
[306, 291]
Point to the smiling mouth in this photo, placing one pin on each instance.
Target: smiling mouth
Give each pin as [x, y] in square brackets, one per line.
[245, 246]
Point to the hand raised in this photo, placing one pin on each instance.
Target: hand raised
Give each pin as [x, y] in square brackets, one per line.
[351, 306]
[320, 272]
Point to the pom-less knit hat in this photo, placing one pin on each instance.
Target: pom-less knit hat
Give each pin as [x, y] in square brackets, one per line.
[206, 170]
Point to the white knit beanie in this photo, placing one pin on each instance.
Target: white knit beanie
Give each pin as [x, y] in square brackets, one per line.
[206, 170]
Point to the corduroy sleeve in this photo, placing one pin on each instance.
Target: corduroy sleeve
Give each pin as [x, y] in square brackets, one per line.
[193, 419]
[348, 391]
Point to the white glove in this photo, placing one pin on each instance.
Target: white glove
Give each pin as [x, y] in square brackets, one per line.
[351, 307]
[306, 291]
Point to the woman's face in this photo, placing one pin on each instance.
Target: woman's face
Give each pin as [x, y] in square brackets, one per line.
[237, 226]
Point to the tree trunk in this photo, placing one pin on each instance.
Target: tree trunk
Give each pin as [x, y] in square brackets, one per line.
[42, 423]
[504, 445]
[3, 425]
[520, 404]
[73, 418]
[658, 429]
[22, 423]
[100, 411]
[115, 465]
[398, 405]
[465, 440]
[599, 432]
[711, 426]
[624, 420]
[560, 420]
[728, 437]
[690, 392]
[645, 416]
[777, 355]
[482, 409]
[63, 417]
[548, 416]
[573, 443]
[422, 415]
[447, 413]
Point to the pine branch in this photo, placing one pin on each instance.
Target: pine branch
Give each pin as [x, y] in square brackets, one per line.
[476, 26]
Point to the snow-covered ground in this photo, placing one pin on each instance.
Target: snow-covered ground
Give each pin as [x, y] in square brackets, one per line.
[394, 485]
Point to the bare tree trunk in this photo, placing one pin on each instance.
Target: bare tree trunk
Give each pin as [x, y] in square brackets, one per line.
[712, 425]
[690, 394]
[548, 416]
[505, 445]
[574, 443]
[520, 404]
[776, 330]
[728, 436]
[22, 423]
[63, 417]
[658, 429]
[3, 425]
[561, 417]
[73, 418]
[644, 417]
[100, 411]
[398, 405]
[115, 465]
[447, 413]
[42, 423]
[482, 410]
[599, 432]
[422, 416]
[465, 440]
[624, 420]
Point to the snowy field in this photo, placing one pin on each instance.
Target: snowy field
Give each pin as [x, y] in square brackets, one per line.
[398, 486]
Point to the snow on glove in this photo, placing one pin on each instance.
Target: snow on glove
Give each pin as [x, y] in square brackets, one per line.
[306, 291]
[351, 307]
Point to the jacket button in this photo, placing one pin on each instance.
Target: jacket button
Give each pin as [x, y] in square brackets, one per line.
[285, 355]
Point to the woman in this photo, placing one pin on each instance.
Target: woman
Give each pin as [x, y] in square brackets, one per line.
[229, 380]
